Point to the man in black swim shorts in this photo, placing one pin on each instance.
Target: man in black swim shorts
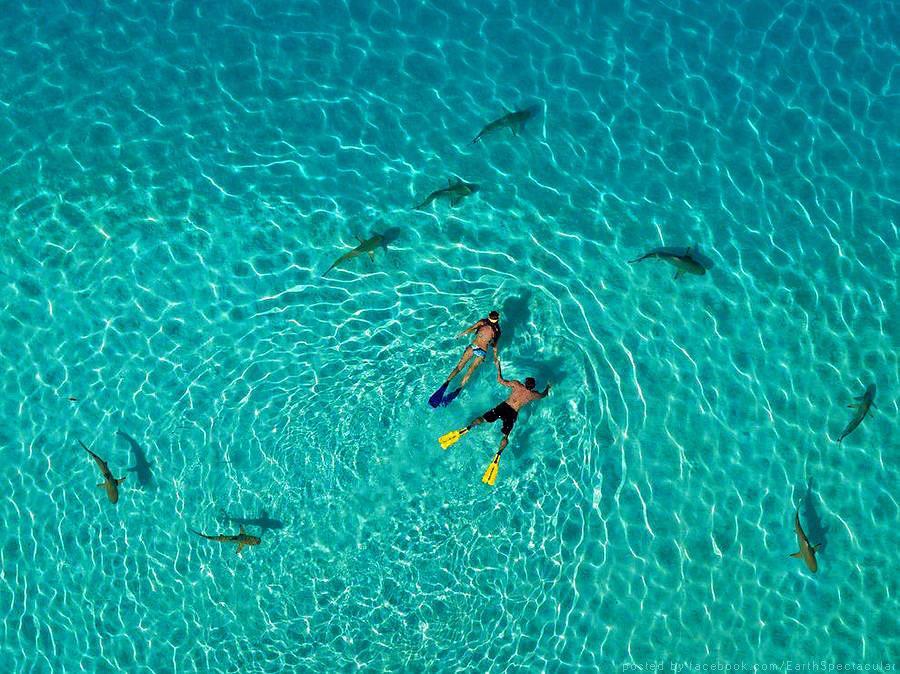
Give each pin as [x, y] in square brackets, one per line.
[508, 410]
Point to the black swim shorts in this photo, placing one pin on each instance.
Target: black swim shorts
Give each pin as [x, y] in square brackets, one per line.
[504, 412]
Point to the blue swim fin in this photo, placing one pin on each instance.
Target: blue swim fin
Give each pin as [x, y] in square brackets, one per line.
[450, 397]
[438, 396]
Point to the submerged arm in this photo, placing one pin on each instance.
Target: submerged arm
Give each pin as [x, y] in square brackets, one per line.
[473, 328]
[500, 378]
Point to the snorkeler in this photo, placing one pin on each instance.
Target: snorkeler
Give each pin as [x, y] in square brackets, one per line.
[507, 411]
[487, 332]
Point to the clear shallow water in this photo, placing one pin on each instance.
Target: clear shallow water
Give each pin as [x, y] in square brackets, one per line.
[176, 179]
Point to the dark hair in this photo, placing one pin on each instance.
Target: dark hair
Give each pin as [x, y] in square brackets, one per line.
[530, 383]
[494, 316]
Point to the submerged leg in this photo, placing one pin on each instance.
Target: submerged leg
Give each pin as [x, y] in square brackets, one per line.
[475, 422]
[467, 354]
[475, 363]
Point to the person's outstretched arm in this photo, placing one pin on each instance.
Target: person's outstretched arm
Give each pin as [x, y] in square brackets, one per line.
[545, 392]
[473, 328]
[500, 378]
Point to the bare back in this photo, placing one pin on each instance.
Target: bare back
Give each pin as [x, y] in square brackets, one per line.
[484, 336]
[521, 396]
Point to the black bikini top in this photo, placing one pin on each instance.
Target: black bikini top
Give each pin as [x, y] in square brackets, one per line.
[495, 328]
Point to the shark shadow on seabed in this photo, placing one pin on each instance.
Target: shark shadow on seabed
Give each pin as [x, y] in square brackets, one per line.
[141, 467]
[263, 521]
[814, 528]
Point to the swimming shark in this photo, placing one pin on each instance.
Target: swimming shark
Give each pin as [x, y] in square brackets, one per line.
[110, 483]
[806, 552]
[684, 264]
[514, 121]
[369, 246]
[141, 467]
[242, 539]
[865, 401]
[263, 521]
[455, 192]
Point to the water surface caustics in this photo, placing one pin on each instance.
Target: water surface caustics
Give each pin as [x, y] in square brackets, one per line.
[178, 176]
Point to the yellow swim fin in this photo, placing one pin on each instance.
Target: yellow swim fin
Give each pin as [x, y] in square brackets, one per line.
[450, 438]
[490, 475]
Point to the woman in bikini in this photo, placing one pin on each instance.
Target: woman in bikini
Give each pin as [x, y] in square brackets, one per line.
[487, 332]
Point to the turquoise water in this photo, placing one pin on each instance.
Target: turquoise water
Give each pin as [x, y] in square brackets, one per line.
[176, 178]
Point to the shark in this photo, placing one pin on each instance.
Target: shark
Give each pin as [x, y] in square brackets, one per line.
[806, 552]
[684, 264]
[455, 192]
[110, 483]
[141, 467]
[369, 246]
[242, 539]
[514, 121]
[863, 404]
[263, 521]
